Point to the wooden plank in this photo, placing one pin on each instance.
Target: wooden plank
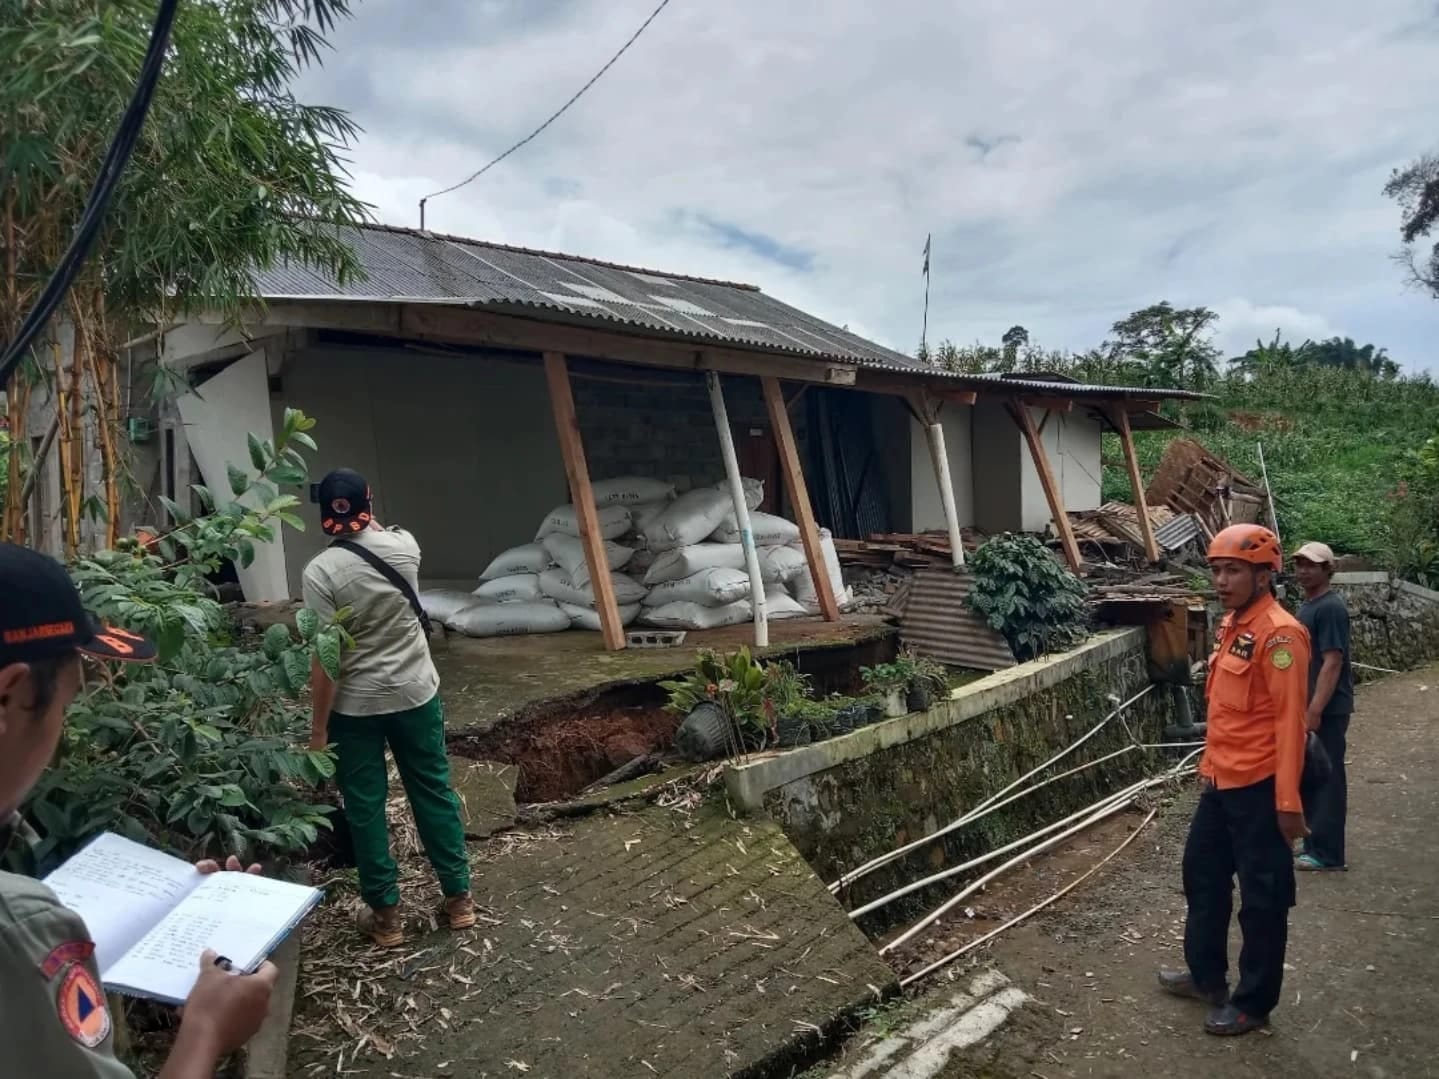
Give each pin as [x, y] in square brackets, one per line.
[572, 449]
[1050, 404]
[1052, 493]
[1136, 484]
[799, 496]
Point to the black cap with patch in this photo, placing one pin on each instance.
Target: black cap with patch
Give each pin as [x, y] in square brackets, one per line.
[344, 498]
[42, 614]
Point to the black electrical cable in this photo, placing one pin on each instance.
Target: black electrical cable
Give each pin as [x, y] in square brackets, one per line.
[106, 181]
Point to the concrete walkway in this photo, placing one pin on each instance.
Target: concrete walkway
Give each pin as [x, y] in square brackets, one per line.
[663, 942]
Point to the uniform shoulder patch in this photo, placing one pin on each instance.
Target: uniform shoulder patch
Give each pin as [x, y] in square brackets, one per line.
[80, 1003]
[72, 951]
[1282, 658]
[1277, 640]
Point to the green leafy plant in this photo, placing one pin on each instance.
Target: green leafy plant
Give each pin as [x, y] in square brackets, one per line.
[896, 675]
[736, 683]
[930, 675]
[1022, 591]
[200, 752]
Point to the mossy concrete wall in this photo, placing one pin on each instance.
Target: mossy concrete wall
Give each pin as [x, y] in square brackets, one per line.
[851, 799]
[1394, 624]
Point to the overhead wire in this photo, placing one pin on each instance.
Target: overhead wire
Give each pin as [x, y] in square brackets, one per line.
[132, 121]
[553, 117]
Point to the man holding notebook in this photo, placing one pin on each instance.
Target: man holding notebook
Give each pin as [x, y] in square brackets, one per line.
[54, 1020]
[387, 694]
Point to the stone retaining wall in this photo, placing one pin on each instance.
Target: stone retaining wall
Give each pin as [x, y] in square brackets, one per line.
[850, 799]
[1395, 624]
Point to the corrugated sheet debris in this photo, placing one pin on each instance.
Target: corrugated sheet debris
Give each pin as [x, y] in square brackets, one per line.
[938, 622]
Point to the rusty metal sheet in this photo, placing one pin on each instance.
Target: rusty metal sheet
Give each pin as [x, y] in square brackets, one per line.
[939, 623]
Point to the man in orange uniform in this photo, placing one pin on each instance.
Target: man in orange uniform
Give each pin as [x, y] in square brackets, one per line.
[1250, 814]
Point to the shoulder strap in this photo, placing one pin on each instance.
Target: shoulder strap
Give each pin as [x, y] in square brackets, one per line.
[390, 574]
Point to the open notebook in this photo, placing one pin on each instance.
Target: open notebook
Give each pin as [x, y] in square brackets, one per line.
[151, 915]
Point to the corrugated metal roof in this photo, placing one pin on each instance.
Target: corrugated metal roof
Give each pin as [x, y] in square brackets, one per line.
[406, 265]
[1176, 532]
[939, 623]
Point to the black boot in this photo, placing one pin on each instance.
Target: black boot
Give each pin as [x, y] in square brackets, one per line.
[1180, 983]
[1229, 1021]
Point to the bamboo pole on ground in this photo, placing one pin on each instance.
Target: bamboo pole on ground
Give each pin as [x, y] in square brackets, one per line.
[741, 508]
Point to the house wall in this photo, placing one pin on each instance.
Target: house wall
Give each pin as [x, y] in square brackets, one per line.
[1072, 442]
[998, 469]
[891, 423]
[926, 508]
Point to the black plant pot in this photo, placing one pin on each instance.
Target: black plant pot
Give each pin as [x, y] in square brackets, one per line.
[851, 717]
[794, 731]
[706, 733]
[919, 698]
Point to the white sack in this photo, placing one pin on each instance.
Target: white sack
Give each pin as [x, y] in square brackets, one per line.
[688, 519]
[781, 564]
[693, 616]
[557, 585]
[631, 491]
[779, 604]
[687, 561]
[568, 552]
[646, 513]
[753, 491]
[510, 619]
[769, 530]
[516, 588]
[589, 618]
[708, 588]
[441, 603]
[527, 558]
[804, 587]
[614, 522]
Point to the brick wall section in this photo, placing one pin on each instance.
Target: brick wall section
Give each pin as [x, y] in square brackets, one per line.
[662, 430]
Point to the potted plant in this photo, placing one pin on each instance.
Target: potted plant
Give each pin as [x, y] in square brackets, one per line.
[724, 706]
[928, 683]
[786, 697]
[890, 683]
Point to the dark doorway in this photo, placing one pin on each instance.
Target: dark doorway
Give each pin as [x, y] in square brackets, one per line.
[759, 459]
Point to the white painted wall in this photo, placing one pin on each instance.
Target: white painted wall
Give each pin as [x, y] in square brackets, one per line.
[998, 454]
[218, 417]
[1072, 441]
[926, 509]
[460, 450]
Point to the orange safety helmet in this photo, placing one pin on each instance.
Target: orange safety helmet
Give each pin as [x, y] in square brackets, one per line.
[1248, 543]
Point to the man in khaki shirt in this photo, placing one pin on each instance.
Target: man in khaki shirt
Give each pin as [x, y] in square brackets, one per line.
[387, 694]
[54, 1022]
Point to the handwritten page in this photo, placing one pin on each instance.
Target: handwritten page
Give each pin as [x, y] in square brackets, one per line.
[121, 889]
[239, 915]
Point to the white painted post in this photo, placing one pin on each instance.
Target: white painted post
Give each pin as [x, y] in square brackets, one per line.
[940, 457]
[741, 509]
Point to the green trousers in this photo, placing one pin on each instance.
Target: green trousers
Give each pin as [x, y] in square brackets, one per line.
[417, 740]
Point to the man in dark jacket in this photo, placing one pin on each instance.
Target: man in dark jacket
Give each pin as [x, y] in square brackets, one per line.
[1331, 702]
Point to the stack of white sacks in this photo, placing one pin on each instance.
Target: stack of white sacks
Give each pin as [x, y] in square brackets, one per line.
[675, 563]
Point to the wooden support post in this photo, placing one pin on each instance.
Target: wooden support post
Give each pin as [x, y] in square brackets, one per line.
[1136, 483]
[1052, 493]
[567, 424]
[741, 509]
[799, 496]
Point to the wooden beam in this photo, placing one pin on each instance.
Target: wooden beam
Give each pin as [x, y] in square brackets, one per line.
[1136, 483]
[1053, 495]
[799, 496]
[903, 387]
[572, 449]
[1050, 404]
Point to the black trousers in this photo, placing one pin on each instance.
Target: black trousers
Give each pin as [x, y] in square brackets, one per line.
[1236, 833]
[1327, 807]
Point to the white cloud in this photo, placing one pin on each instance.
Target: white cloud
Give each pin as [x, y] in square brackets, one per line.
[1074, 163]
[1241, 323]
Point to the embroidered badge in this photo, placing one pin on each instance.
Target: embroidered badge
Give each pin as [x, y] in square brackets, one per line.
[1243, 646]
[1277, 640]
[1282, 658]
[72, 951]
[81, 1006]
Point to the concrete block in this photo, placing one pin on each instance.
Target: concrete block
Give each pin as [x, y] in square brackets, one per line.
[487, 795]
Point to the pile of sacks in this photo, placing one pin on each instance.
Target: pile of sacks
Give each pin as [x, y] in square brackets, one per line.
[674, 563]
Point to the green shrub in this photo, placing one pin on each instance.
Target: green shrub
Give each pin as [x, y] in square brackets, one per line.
[204, 751]
[1021, 590]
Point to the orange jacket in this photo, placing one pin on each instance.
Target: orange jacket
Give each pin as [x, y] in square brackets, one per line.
[1257, 691]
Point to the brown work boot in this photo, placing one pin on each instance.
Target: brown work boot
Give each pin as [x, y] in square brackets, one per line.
[382, 925]
[459, 911]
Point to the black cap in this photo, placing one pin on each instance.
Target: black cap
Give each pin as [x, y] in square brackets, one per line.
[344, 502]
[42, 614]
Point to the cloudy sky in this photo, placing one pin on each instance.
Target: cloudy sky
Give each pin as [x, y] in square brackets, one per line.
[1073, 166]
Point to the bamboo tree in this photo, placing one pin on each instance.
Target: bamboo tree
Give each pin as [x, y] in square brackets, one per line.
[231, 175]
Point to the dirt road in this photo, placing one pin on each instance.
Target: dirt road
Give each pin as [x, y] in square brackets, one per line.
[1359, 999]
